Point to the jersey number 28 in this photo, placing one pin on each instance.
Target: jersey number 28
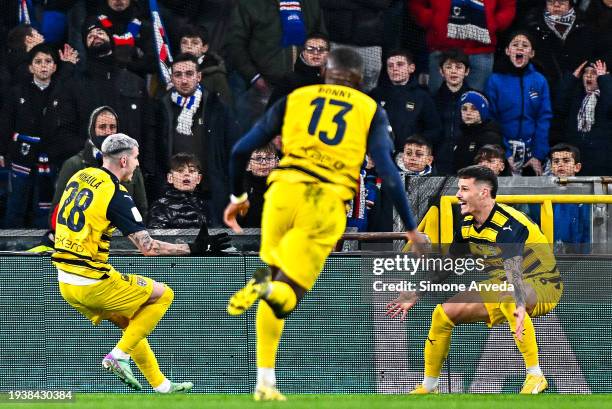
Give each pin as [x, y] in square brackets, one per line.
[76, 217]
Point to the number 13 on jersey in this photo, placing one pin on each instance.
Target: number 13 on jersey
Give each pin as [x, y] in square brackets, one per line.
[322, 104]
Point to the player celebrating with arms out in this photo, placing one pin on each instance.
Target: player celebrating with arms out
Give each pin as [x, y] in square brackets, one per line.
[93, 205]
[514, 249]
[304, 211]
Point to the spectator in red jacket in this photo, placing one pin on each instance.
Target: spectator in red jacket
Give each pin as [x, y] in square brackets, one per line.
[468, 25]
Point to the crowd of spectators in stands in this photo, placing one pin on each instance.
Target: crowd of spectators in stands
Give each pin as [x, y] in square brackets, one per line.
[496, 82]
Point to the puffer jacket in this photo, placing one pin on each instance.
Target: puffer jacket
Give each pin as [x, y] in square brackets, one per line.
[178, 210]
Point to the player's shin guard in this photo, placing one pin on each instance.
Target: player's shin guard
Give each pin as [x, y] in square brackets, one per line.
[528, 347]
[269, 329]
[144, 358]
[144, 321]
[438, 342]
[281, 298]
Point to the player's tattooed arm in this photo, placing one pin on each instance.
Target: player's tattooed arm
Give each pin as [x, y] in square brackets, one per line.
[151, 247]
[515, 277]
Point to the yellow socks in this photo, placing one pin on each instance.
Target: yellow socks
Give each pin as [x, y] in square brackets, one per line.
[438, 342]
[145, 359]
[144, 321]
[529, 346]
[269, 329]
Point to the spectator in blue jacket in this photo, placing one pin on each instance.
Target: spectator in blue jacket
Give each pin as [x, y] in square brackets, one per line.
[520, 103]
[572, 222]
[410, 108]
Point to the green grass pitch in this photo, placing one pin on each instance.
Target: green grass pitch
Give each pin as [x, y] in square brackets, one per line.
[445, 401]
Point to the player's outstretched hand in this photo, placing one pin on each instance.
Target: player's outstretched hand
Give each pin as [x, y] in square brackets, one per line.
[420, 241]
[402, 304]
[232, 211]
[209, 245]
[519, 313]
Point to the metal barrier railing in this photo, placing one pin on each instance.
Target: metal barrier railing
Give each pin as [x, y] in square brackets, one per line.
[546, 210]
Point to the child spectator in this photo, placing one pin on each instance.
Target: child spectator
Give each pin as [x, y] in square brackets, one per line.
[572, 222]
[410, 108]
[194, 41]
[586, 103]
[417, 157]
[520, 103]
[262, 162]
[477, 129]
[180, 207]
[492, 157]
[454, 68]
[27, 124]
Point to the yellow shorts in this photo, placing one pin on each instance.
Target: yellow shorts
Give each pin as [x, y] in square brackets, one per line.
[120, 294]
[301, 223]
[548, 296]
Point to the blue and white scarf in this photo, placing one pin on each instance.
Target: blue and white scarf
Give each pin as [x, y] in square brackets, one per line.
[467, 21]
[190, 106]
[292, 20]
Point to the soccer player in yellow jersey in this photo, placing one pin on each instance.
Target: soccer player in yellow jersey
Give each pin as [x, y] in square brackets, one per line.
[92, 206]
[513, 249]
[325, 131]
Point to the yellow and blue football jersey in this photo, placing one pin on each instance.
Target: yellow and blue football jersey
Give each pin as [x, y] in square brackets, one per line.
[92, 206]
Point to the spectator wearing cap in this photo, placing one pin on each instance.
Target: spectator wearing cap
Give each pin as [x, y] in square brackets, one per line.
[26, 126]
[308, 68]
[454, 67]
[130, 34]
[471, 26]
[586, 108]
[477, 129]
[410, 108]
[194, 40]
[519, 100]
[103, 83]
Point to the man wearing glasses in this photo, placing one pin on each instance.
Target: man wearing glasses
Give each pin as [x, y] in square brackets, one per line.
[189, 118]
[308, 69]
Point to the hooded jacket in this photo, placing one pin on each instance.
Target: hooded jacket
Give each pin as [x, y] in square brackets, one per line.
[520, 103]
[90, 156]
[103, 83]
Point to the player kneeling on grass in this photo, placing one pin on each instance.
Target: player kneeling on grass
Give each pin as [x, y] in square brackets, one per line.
[513, 249]
[325, 130]
[93, 205]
